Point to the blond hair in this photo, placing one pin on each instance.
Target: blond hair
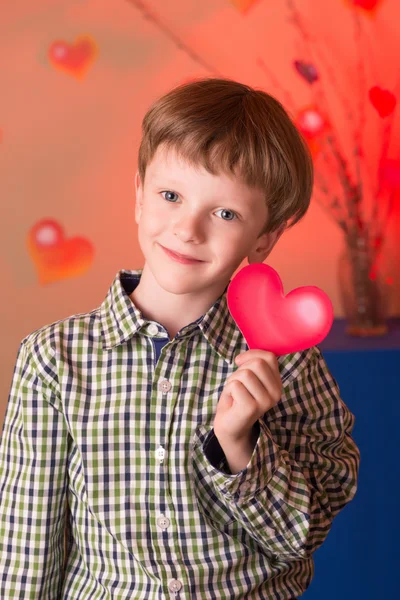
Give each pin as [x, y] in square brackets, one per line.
[227, 126]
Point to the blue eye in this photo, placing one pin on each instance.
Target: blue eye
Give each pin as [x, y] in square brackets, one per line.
[168, 192]
[225, 210]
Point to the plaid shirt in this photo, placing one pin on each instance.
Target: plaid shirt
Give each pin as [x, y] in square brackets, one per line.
[108, 440]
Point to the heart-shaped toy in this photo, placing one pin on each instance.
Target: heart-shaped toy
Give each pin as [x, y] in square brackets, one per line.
[271, 321]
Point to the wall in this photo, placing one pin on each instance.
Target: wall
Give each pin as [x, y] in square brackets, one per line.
[68, 145]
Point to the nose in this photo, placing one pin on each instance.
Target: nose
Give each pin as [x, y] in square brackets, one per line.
[188, 228]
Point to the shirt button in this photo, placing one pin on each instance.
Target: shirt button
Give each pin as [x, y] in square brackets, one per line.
[164, 386]
[163, 522]
[174, 585]
[152, 329]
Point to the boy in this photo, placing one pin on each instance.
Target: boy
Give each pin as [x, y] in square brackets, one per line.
[177, 470]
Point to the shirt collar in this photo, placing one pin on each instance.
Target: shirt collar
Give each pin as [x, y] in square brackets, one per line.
[121, 319]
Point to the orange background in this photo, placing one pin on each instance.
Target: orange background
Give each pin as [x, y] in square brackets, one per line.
[69, 142]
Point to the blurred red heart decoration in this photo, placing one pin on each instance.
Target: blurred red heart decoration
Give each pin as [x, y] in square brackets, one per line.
[310, 122]
[74, 58]
[366, 4]
[271, 321]
[383, 100]
[368, 8]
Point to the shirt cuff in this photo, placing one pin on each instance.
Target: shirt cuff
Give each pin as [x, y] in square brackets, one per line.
[254, 478]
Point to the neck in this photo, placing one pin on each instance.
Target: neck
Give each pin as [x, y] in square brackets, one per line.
[171, 310]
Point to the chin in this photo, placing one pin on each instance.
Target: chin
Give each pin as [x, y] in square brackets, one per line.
[172, 282]
[181, 287]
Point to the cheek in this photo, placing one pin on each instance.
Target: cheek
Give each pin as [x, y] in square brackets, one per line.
[231, 243]
[153, 221]
[235, 252]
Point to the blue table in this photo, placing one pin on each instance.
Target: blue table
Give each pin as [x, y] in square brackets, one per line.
[360, 557]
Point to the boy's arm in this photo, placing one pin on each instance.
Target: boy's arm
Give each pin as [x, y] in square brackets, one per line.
[33, 483]
[303, 469]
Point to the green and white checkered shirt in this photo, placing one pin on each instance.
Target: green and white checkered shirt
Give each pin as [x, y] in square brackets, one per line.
[113, 485]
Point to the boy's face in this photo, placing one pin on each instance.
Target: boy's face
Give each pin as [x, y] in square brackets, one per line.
[215, 219]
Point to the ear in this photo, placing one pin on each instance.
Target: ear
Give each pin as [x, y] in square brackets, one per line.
[139, 197]
[264, 245]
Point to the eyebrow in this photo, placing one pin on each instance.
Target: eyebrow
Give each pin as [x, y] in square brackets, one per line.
[167, 180]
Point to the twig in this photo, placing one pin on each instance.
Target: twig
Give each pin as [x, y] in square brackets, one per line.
[333, 142]
[149, 16]
[289, 100]
[389, 209]
[361, 99]
[330, 212]
[386, 138]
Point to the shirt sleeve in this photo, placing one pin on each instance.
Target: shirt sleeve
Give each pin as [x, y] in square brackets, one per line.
[33, 483]
[303, 469]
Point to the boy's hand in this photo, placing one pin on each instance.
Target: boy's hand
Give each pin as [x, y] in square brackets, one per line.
[250, 391]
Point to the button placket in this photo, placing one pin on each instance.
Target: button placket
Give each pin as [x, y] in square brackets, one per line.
[174, 585]
[164, 386]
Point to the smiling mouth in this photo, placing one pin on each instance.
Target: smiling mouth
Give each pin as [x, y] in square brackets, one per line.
[179, 258]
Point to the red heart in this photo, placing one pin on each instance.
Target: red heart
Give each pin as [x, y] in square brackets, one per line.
[73, 58]
[383, 100]
[56, 257]
[271, 321]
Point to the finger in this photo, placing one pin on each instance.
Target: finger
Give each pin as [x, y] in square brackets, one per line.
[268, 357]
[260, 358]
[257, 388]
[269, 379]
[244, 399]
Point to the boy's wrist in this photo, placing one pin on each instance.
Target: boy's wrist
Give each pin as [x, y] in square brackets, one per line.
[238, 452]
[247, 438]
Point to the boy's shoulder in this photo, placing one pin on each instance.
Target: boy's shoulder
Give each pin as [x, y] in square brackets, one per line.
[70, 329]
[48, 339]
[39, 351]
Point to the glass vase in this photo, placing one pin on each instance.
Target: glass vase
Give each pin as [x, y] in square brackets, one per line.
[364, 294]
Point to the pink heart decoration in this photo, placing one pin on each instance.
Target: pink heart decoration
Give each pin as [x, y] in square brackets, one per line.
[271, 321]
